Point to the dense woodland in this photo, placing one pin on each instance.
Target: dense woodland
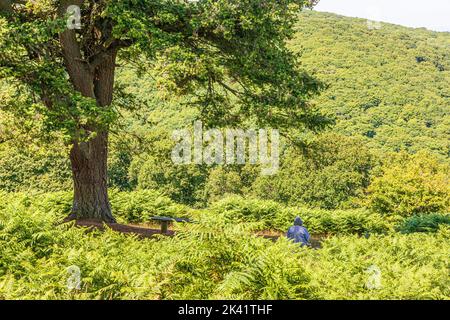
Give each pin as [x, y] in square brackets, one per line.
[374, 183]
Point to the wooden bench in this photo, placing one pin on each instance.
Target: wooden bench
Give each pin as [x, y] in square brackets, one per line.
[166, 220]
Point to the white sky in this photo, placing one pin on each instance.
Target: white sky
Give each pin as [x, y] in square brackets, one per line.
[431, 14]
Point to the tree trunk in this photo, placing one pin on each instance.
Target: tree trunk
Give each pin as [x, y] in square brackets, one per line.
[93, 79]
[89, 158]
[89, 170]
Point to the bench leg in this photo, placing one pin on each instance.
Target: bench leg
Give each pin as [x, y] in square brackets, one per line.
[164, 227]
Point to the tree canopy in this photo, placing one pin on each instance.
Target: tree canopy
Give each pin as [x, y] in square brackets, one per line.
[230, 54]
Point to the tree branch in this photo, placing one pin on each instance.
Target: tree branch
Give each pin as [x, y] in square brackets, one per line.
[101, 56]
[78, 70]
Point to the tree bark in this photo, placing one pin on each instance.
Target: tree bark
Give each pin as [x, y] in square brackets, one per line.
[89, 159]
[89, 170]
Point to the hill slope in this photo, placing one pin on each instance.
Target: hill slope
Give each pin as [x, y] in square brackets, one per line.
[391, 84]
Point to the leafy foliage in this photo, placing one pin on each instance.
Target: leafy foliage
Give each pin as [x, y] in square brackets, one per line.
[424, 223]
[411, 185]
[269, 215]
[376, 88]
[37, 169]
[231, 55]
[210, 260]
[139, 206]
[332, 173]
[407, 263]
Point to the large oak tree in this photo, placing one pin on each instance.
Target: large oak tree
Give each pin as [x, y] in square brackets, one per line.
[230, 55]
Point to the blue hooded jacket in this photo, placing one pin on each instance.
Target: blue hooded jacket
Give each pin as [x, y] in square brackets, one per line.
[298, 232]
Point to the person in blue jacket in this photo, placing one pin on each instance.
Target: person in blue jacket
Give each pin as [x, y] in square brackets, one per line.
[298, 233]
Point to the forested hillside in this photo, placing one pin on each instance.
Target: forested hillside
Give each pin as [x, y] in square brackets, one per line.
[389, 85]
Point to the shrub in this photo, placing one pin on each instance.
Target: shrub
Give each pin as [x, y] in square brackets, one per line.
[139, 206]
[155, 170]
[222, 183]
[332, 174]
[411, 185]
[272, 215]
[37, 169]
[424, 223]
[134, 206]
[413, 266]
